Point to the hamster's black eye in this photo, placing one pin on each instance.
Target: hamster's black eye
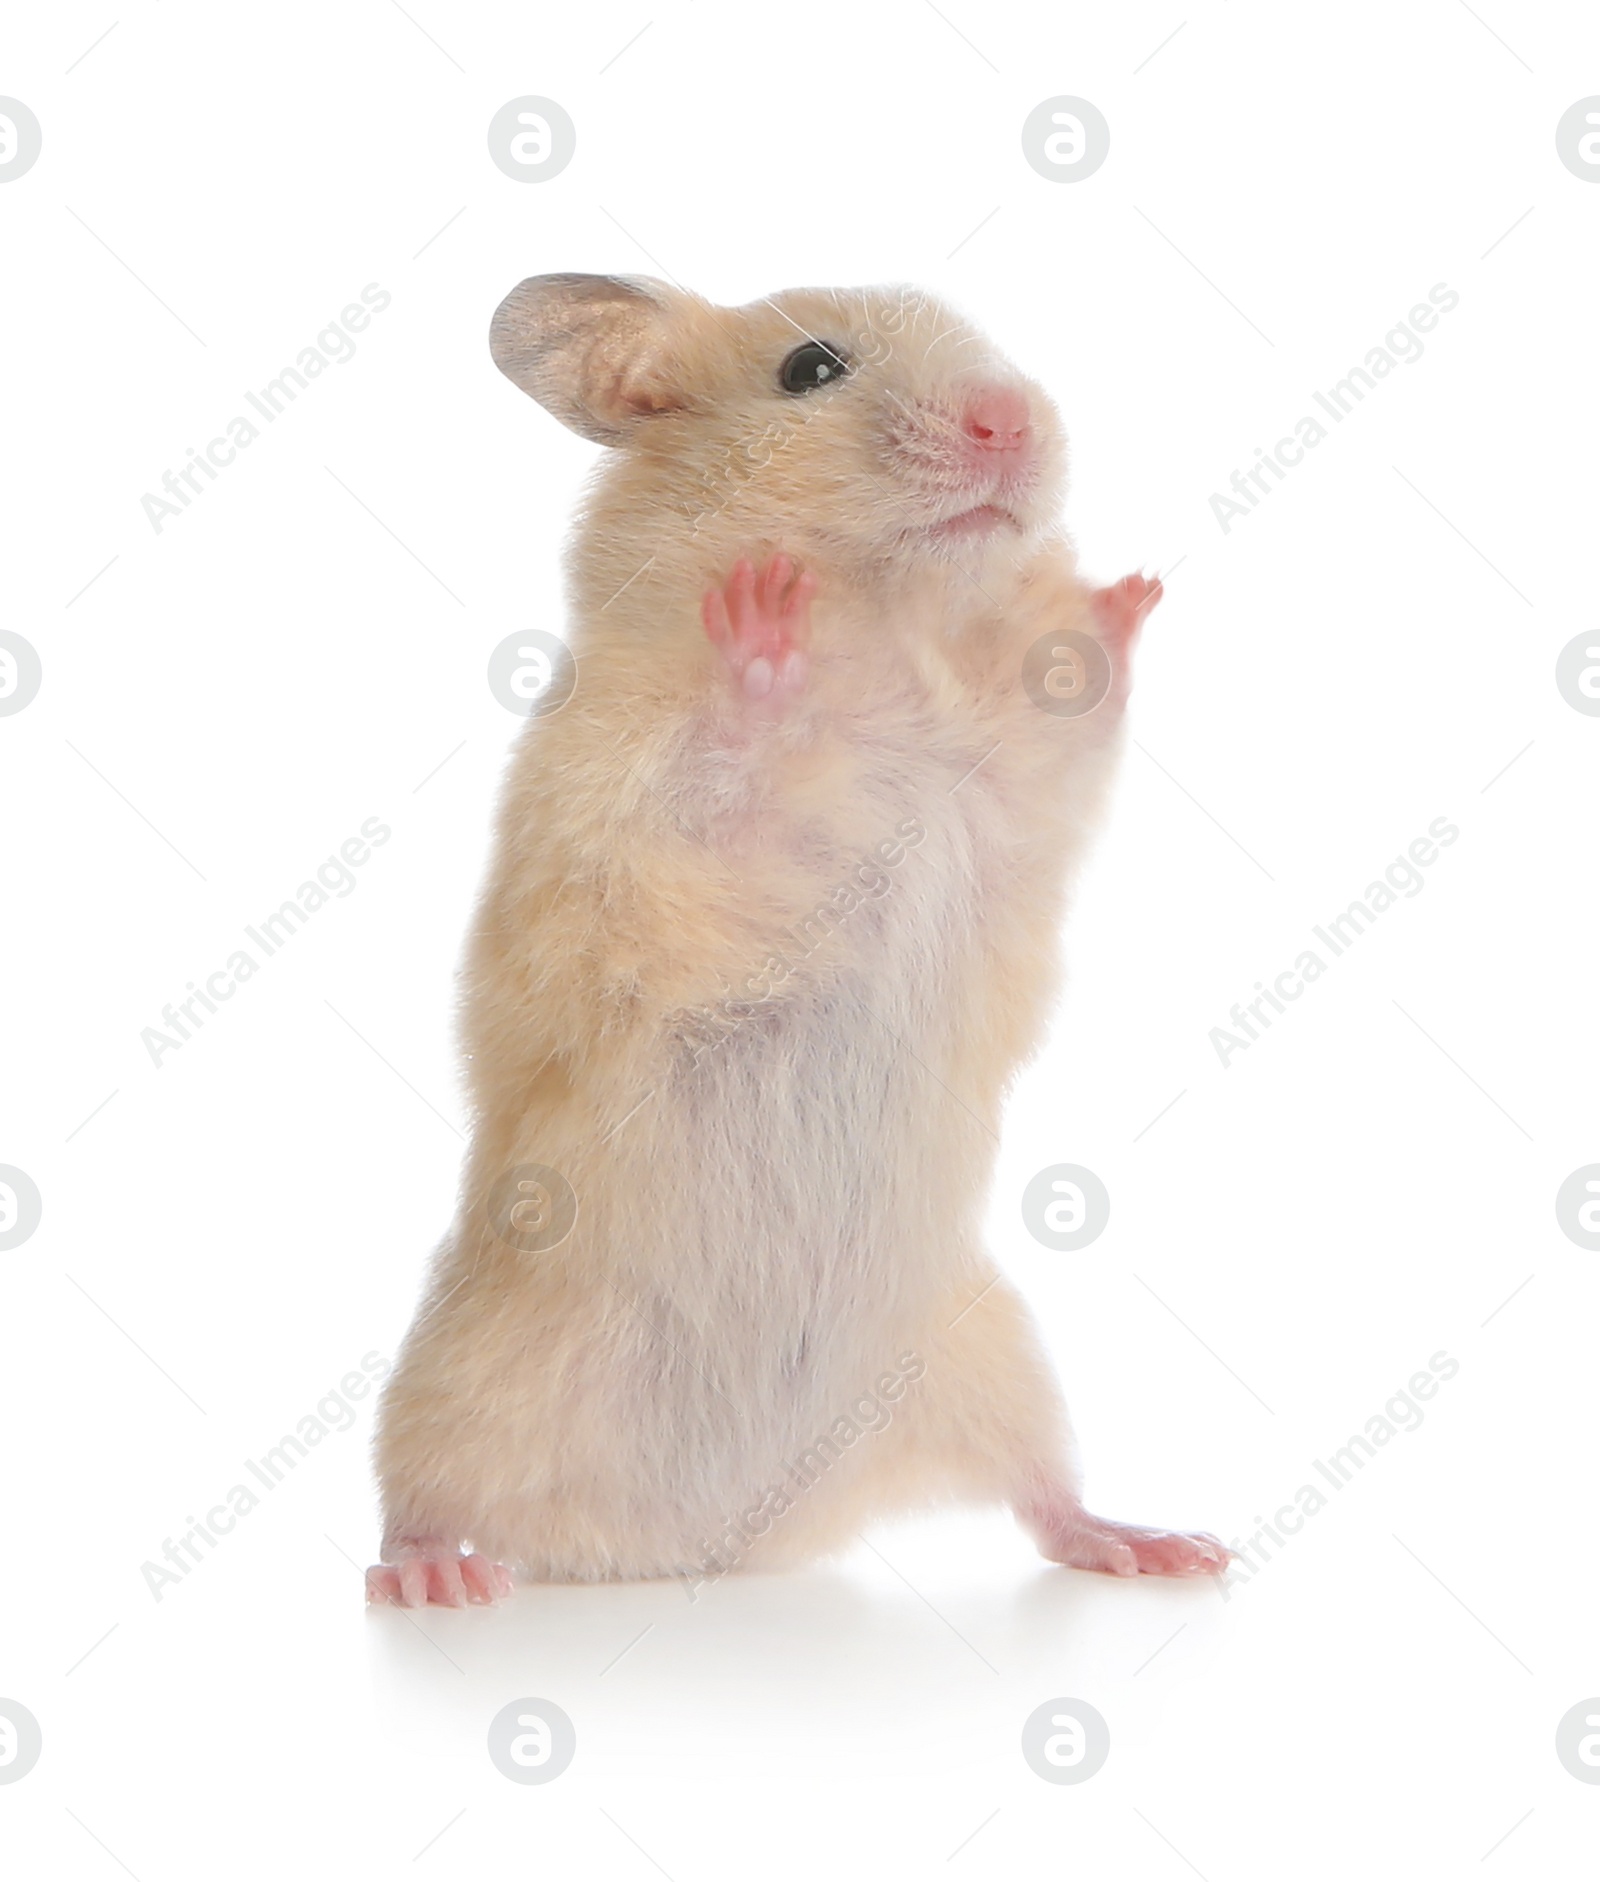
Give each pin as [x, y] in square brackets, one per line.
[810, 366]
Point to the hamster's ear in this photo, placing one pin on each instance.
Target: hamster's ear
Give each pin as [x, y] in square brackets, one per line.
[594, 349]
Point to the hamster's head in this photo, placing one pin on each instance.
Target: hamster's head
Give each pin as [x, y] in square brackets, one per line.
[868, 430]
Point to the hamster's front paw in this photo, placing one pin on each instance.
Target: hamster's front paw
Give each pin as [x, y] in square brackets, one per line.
[1120, 609]
[760, 622]
[433, 1572]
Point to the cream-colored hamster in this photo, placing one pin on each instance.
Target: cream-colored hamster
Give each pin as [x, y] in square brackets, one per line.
[772, 921]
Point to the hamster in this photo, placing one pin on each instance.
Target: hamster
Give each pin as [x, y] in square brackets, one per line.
[772, 922]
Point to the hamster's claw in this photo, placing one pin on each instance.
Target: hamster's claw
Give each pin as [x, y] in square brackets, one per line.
[440, 1577]
[760, 622]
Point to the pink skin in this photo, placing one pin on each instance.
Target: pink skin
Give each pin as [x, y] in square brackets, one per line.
[430, 1572]
[997, 420]
[1119, 612]
[760, 622]
[1121, 608]
[1067, 1533]
[993, 440]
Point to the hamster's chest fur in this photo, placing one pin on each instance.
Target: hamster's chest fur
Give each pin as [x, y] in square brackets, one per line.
[893, 847]
[901, 887]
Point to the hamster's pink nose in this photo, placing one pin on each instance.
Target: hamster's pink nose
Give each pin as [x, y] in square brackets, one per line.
[996, 419]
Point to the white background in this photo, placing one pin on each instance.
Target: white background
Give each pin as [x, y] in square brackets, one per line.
[1366, 1186]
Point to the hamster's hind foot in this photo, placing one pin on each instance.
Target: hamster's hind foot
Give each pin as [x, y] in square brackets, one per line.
[433, 1572]
[1070, 1535]
[760, 622]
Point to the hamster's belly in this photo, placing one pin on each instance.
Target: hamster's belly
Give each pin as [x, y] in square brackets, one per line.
[816, 1177]
[801, 1203]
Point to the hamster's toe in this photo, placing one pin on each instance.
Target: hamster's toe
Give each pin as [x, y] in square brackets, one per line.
[760, 622]
[438, 1576]
[1080, 1540]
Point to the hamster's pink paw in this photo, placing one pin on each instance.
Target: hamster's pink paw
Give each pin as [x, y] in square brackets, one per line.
[760, 622]
[437, 1574]
[1121, 608]
[1074, 1537]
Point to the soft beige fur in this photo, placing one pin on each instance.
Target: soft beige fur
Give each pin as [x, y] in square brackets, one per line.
[778, 1201]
